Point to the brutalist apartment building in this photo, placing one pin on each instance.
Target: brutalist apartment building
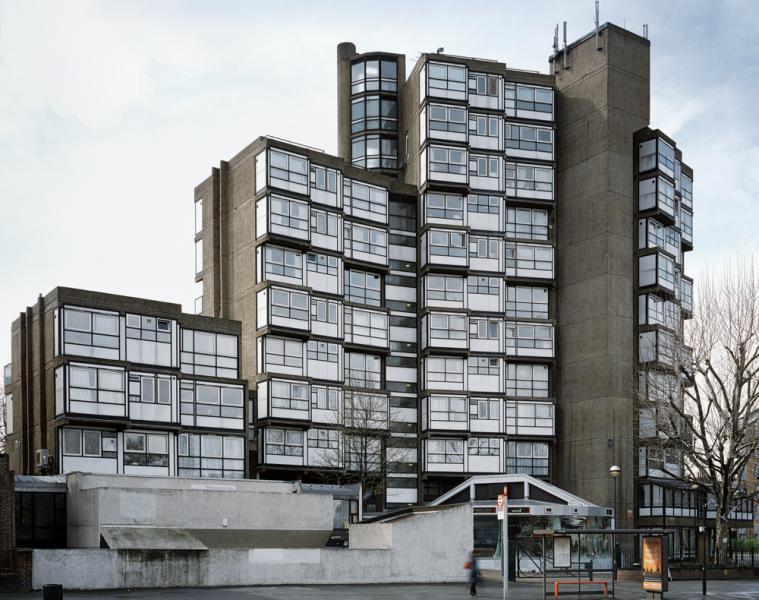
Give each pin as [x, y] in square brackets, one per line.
[479, 269]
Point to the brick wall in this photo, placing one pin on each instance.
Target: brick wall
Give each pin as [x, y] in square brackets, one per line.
[7, 516]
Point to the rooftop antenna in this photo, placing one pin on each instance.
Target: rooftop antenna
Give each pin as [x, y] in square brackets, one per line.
[565, 45]
[645, 30]
[598, 40]
[440, 50]
[556, 39]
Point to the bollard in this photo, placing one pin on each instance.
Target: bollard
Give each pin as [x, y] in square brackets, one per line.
[52, 591]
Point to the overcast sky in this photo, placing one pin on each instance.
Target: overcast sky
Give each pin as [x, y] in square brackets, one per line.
[111, 112]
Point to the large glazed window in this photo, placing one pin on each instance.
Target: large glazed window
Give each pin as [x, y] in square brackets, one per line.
[289, 394]
[530, 458]
[447, 326]
[363, 287]
[149, 389]
[280, 261]
[374, 152]
[444, 206]
[477, 203]
[521, 97]
[447, 118]
[89, 443]
[447, 160]
[200, 399]
[527, 177]
[360, 238]
[148, 339]
[289, 213]
[447, 243]
[448, 288]
[322, 351]
[372, 74]
[526, 302]
[484, 85]
[445, 451]
[212, 354]
[374, 112]
[146, 449]
[211, 456]
[527, 381]
[446, 77]
[363, 370]
[92, 384]
[288, 167]
[445, 370]
[452, 409]
[284, 352]
[363, 200]
[529, 138]
[527, 223]
[284, 442]
[90, 333]
[484, 446]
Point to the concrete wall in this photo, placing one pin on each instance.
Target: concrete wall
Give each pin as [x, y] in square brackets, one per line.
[96, 501]
[426, 547]
[602, 99]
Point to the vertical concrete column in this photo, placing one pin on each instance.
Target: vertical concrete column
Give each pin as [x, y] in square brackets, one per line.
[345, 52]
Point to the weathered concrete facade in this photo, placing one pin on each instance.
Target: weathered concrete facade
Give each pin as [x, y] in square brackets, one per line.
[603, 98]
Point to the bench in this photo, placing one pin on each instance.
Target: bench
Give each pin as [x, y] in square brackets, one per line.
[604, 584]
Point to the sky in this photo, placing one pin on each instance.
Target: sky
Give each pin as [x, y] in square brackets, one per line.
[111, 112]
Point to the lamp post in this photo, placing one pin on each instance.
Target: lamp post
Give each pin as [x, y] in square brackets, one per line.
[695, 487]
[615, 471]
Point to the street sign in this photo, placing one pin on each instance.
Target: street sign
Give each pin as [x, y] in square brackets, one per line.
[499, 502]
[562, 551]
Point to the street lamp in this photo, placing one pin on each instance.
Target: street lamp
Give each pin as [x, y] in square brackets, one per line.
[704, 539]
[615, 471]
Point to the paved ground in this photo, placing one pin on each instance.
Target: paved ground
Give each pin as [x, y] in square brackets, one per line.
[679, 590]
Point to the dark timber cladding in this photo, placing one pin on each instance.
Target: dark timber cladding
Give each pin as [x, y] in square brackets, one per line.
[603, 99]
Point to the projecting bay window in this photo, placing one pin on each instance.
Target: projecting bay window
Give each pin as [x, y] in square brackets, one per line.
[446, 80]
[324, 448]
[526, 302]
[686, 225]
[686, 187]
[529, 418]
[485, 415]
[374, 152]
[445, 412]
[485, 172]
[365, 201]
[210, 354]
[485, 374]
[374, 74]
[482, 447]
[484, 293]
[90, 390]
[486, 132]
[374, 112]
[445, 291]
[365, 411]
[324, 272]
[279, 264]
[656, 269]
[363, 287]
[445, 455]
[289, 399]
[529, 260]
[283, 446]
[526, 381]
[444, 247]
[325, 404]
[445, 164]
[656, 153]
[90, 450]
[365, 243]
[326, 317]
[529, 458]
[666, 157]
[152, 398]
[657, 193]
[324, 186]
[280, 355]
[443, 373]
[149, 340]
[211, 456]
[486, 91]
[528, 101]
[89, 332]
[528, 181]
[204, 404]
[444, 208]
[655, 461]
[325, 229]
[484, 212]
[324, 360]
[529, 339]
[366, 327]
[485, 253]
[528, 141]
[444, 331]
[363, 370]
[686, 294]
[444, 123]
[287, 171]
[282, 216]
[653, 310]
[146, 453]
[527, 223]
[485, 334]
[661, 347]
[282, 307]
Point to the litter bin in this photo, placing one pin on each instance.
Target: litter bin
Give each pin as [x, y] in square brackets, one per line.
[52, 591]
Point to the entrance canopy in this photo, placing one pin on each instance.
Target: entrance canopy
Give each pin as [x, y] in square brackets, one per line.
[527, 496]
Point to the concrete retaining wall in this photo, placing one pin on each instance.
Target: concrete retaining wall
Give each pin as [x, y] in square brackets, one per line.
[426, 547]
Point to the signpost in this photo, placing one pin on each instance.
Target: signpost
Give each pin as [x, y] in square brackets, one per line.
[562, 552]
[503, 501]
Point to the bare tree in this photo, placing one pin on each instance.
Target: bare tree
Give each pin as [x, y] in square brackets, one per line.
[359, 452]
[701, 400]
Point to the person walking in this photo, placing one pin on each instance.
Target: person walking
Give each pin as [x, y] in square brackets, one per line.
[474, 573]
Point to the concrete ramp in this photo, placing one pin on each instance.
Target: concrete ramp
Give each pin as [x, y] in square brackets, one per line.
[150, 538]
